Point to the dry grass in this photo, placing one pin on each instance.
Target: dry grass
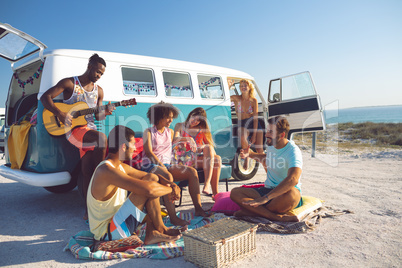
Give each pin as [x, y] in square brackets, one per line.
[349, 137]
[383, 133]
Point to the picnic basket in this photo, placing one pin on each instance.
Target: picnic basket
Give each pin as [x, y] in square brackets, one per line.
[219, 243]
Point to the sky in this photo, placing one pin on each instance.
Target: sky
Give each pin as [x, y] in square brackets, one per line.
[353, 48]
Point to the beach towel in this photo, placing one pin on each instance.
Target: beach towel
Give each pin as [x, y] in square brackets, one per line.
[18, 143]
[309, 223]
[80, 244]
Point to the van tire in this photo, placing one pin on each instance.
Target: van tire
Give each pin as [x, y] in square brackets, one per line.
[238, 172]
[59, 189]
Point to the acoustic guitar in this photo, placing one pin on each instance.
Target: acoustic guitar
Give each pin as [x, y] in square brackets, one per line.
[78, 111]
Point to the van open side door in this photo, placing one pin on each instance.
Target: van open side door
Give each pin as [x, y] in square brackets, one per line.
[16, 45]
[295, 97]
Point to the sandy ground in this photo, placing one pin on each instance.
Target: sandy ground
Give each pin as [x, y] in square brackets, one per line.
[36, 224]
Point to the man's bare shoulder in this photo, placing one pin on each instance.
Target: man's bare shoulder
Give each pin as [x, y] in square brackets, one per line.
[68, 81]
[127, 168]
[65, 84]
[107, 173]
[104, 169]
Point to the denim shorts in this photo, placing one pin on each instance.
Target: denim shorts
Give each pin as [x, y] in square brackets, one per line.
[149, 167]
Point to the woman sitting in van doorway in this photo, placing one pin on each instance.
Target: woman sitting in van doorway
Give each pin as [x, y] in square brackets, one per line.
[157, 155]
[246, 106]
[196, 132]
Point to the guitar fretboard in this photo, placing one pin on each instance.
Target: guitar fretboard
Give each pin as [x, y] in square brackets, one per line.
[95, 109]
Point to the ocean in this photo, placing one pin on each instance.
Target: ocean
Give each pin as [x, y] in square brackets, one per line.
[375, 114]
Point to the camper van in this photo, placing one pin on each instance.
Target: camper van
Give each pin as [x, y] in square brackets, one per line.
[2, 121]
[52, 162]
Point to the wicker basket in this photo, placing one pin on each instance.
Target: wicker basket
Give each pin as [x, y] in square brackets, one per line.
[219, 243]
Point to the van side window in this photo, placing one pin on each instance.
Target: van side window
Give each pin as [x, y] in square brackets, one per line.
[297, 86]
[138, 81]
[291, 87]
[177, 84]
[275, 91]
[210, 87]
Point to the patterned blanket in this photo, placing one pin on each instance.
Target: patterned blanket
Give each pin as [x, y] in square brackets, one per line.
[309, 223]
[79, 245]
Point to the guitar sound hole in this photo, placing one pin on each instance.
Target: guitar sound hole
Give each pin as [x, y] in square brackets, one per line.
[57, 121]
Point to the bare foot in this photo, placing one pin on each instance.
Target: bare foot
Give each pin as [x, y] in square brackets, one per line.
[157, 237]
[201, 212]
[289, 218]
[178, 222]
[175, 232]
[243, 213]
[205, 192]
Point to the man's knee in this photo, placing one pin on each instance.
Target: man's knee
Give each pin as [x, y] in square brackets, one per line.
[294, 194]
[102, 140]
[284, 203]
[151, 177]
[95, 138]
[192, 173]
[235, 192]
[166, 174]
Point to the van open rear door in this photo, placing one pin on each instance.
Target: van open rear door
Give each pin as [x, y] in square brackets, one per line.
[295, 97]
[16, 45]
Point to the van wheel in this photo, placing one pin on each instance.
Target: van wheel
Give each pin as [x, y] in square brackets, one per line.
[238, 171]
[62, 188]
[68, 186]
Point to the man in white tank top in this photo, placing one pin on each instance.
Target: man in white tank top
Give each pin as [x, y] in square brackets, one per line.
[113, 215]
[90, 142]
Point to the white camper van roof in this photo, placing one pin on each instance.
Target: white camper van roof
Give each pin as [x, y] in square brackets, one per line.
[131, 59]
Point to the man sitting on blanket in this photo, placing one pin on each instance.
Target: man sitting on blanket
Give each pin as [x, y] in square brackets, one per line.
[114, 215]
[281, 192]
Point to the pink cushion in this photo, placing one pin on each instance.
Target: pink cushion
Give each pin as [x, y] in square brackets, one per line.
[224, 204]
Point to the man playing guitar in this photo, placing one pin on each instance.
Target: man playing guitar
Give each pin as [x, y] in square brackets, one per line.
[91, 143]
